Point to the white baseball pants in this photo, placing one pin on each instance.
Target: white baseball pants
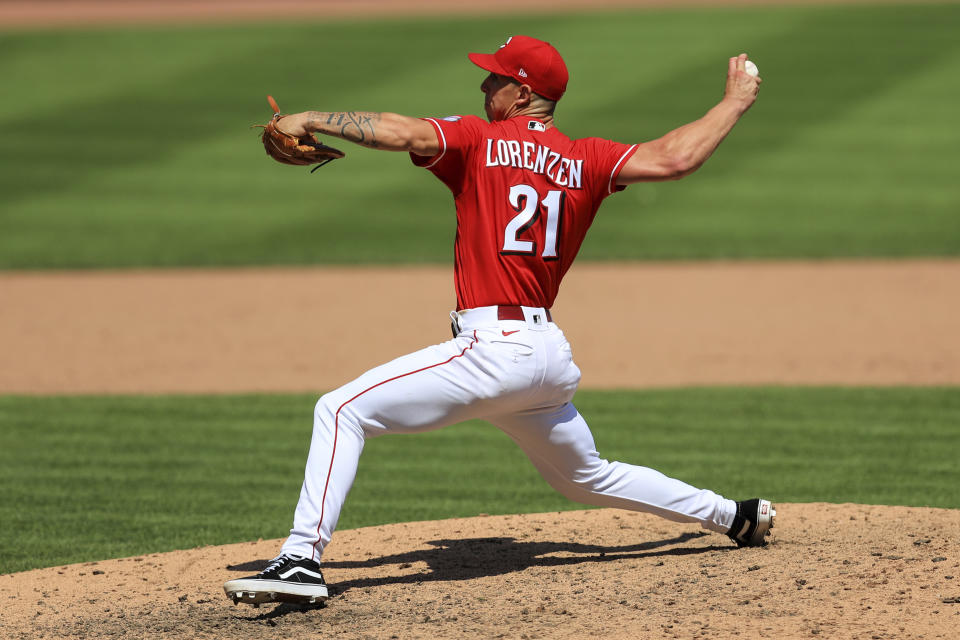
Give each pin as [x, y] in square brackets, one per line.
[518, 375]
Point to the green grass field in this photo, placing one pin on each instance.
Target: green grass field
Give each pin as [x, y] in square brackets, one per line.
[132, 147]
[89, 478]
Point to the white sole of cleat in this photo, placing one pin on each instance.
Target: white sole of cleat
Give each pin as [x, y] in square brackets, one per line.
[766, 515]
[256, 592]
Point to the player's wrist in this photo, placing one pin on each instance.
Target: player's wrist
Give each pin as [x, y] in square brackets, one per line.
[736, 105]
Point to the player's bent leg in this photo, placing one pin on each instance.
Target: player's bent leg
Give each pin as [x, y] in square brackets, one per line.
[330, 471]
[560, 445]
[428, 389]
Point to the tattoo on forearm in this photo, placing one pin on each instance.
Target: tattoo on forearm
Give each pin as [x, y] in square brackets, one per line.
[355, 126]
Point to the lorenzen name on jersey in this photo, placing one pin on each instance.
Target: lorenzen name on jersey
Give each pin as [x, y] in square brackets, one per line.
[564, 172]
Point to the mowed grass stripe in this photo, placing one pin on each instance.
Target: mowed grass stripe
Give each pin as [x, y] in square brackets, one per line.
[85, 478]
[847, 153]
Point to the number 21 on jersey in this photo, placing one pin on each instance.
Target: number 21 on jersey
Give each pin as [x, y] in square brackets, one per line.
[527, 203]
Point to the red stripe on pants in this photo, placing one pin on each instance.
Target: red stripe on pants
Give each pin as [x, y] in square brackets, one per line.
[336, 426]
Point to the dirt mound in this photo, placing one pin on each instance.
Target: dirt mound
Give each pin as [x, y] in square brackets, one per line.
[832, 571]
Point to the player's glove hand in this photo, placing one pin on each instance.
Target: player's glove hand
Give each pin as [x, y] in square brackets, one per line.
[290, 149]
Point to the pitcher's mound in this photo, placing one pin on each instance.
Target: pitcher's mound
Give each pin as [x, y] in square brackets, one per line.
[832, 571]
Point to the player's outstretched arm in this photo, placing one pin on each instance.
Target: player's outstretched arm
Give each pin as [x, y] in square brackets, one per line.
[684, 150]
[372, 129]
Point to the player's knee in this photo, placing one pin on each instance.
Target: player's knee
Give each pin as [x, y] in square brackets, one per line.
[325, 411]
[332, 411]
[322, 408]
[585, 483]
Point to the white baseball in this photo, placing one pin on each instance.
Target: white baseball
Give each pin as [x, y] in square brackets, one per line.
[751, 68]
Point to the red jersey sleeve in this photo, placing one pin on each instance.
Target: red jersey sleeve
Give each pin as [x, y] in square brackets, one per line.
[608, 157]
[458, 137]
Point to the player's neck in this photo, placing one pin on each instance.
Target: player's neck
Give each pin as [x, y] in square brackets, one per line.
[545, 118]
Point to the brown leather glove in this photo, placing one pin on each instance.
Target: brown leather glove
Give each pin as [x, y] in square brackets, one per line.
[289, 149]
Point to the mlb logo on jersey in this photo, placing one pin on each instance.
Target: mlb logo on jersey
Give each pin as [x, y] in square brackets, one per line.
[533, 125]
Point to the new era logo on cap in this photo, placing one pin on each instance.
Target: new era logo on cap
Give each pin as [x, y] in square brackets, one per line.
[530, 61]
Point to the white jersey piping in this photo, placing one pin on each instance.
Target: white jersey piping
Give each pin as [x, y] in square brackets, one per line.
[616, 167]
[443, 142]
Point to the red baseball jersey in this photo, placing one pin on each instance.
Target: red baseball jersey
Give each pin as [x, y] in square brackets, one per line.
[525, 196]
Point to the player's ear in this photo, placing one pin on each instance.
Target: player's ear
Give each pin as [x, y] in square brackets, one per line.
[524, 95]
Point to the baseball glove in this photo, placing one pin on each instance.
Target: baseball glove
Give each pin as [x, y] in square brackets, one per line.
[290, 149]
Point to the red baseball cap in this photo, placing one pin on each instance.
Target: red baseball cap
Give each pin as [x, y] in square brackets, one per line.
[528, 61]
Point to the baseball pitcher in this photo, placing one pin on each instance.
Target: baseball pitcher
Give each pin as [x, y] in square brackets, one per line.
[525, 195]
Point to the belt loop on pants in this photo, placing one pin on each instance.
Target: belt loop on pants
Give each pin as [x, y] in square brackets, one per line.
[455, 326]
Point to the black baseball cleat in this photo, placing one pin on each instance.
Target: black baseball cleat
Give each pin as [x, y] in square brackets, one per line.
[286, 579]
[753, 522]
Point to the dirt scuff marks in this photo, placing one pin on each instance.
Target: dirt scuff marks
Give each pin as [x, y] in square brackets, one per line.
[832, 571]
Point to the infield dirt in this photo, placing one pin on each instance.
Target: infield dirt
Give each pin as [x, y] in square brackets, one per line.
[832, 571]
[631, 325]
